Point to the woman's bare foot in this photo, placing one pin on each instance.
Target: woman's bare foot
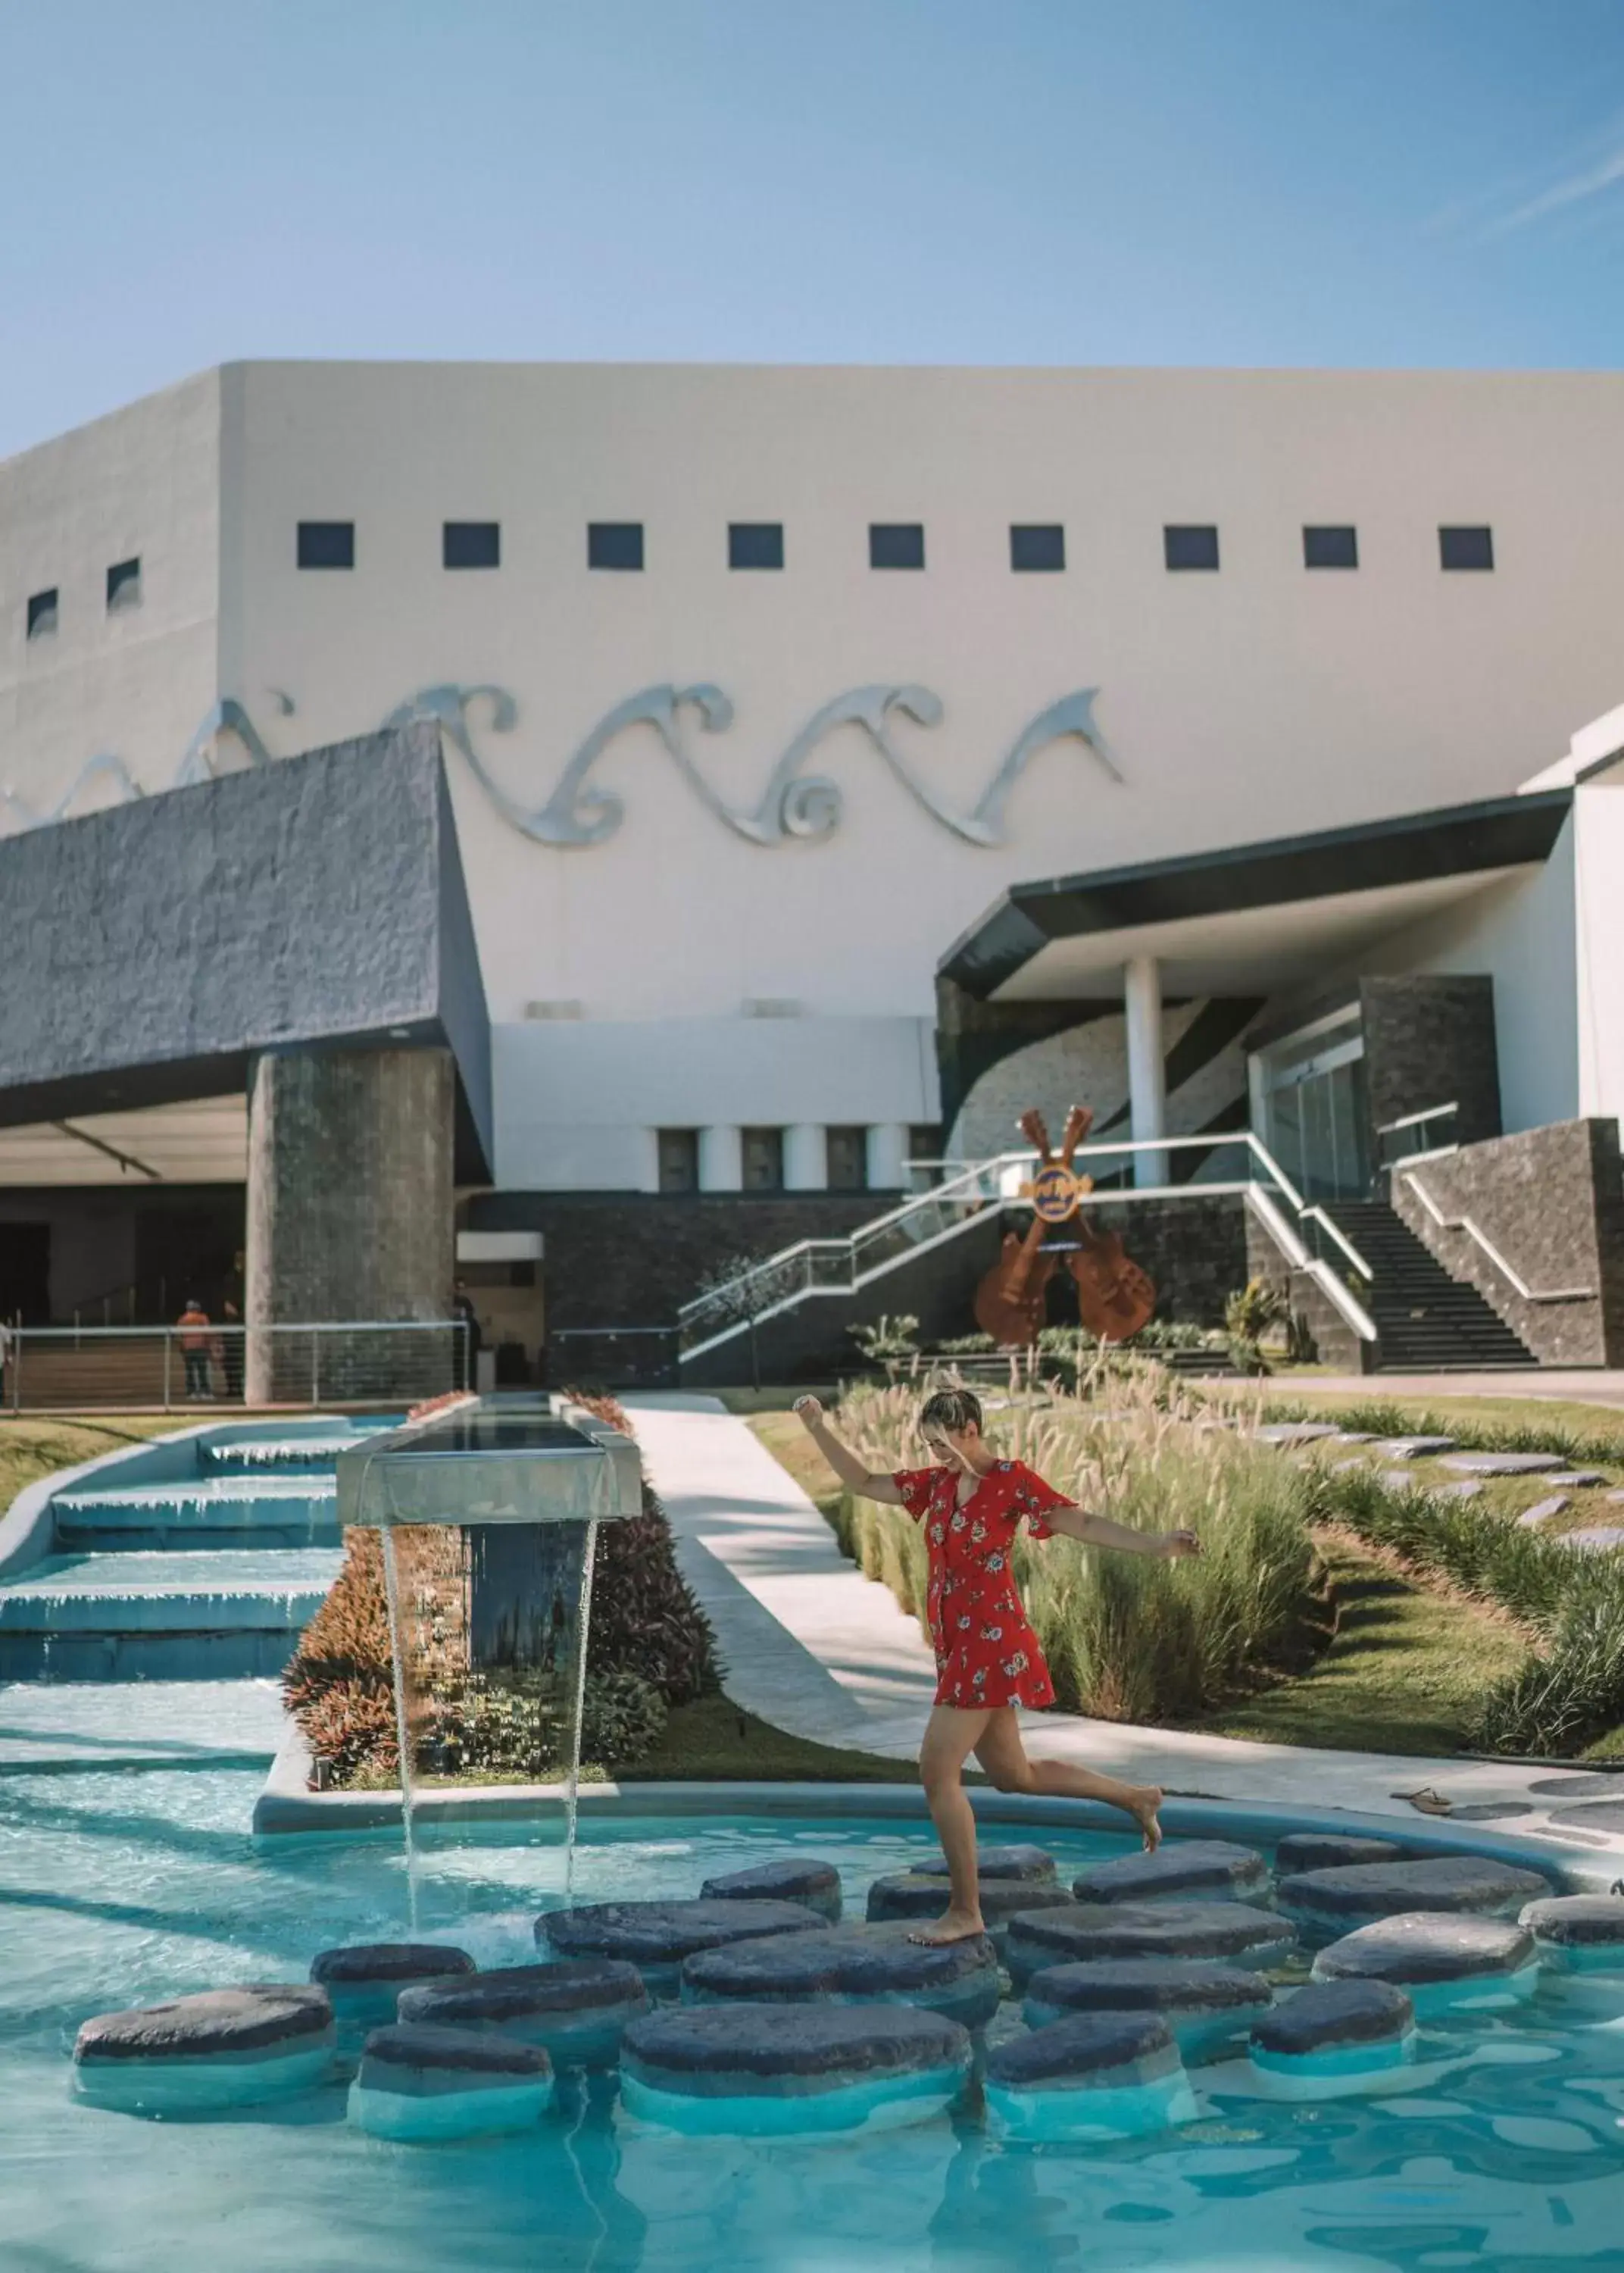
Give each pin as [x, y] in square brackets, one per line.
[1145, 1808]
[957, 1926]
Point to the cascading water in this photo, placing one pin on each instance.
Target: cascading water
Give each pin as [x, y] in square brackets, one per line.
[487, 1514]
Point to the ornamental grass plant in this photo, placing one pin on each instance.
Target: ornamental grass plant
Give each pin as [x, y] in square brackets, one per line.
[1127, 1640]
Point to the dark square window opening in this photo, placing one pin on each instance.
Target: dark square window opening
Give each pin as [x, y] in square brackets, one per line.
[472, 544]
[1187, 544]
[679, 1160]
[896, 544]
[1036, 546]
[762, 1159]
[41, 613]
[848, 1159]
[614, 545]
[1466, 548]
[124, 584]
[1331, 547]
[326, 544]
[755, 544]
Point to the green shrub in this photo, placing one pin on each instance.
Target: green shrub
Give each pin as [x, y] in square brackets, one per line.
[623, 1719]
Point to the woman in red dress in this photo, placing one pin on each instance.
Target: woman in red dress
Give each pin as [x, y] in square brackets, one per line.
[988, 1660]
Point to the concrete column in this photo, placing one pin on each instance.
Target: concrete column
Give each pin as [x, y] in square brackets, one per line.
[350, 1217]
[887, 1156]
[721, 1159]
[806, 1157]
[1146, 1076]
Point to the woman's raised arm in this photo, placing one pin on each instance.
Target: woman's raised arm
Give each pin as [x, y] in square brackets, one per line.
[845, 1463]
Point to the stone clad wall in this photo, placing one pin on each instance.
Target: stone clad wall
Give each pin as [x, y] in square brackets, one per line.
[1429, 1040]
[1552, 1201]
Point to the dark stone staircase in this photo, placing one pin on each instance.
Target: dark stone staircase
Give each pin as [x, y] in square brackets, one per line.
[1426, 1321]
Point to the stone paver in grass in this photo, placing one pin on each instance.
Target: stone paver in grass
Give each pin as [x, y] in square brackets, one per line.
[1415, 1448]
[1291, 1433]
[1543, 1510]
[1469, 1487]
[1580, 1479]
[1504, 1464]
[1597, 1539]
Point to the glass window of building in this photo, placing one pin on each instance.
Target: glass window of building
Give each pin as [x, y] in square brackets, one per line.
[1466, 548]
[1331, 548]
[762, 1159]
[614, 545]
[123, 585]
[326, 544]
[41, 613]
[1190, 545]
[896, 544]
[848, 1159]
[679, 1160]
[755, 544]
[1036, 547]
[471, 544]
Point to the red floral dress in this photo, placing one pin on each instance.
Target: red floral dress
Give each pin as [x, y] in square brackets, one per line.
[986, 1653]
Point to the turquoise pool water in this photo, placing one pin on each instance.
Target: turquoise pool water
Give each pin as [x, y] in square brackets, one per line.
[120, 1885]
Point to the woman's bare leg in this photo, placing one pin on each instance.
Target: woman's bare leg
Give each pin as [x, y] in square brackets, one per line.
[950, 1736]
[1003, 1755]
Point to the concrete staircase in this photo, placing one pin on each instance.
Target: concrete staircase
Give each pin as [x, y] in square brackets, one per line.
[1425, 1321]
[200, 1559]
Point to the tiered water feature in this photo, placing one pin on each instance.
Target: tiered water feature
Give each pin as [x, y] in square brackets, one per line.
[720, 2044]
[198, 1556]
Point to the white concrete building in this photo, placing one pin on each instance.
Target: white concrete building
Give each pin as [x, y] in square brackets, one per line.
[760, 687]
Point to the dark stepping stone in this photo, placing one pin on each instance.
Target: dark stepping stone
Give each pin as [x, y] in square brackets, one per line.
[419, 2083]
[1331, 1850]
[1334, 2033]
[1578, 1786]
[364, 1978]
[1454, 1883]
[1504, 1464]
[858, 1964]
[1200, 1870]
[1092, 2075]
[655, 1936]
[1578, 1933]
[1080, 1932]
[918, 1894]
[792, 1879]
[576, 2011]
[1490, 1810]
[220, 2048]
[1438, 1960]
[1033, 1865]
[792, 2067]
[1203, 2003]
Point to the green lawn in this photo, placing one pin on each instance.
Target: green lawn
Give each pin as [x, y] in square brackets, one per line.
[31, 1449]
[716, 1738]
[1400, 1675]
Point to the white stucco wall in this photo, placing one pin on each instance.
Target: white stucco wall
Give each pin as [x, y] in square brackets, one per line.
[1255, 702]
[1598, 861]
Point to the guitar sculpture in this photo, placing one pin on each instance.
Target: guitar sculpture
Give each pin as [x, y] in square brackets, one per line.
[1114, 1296]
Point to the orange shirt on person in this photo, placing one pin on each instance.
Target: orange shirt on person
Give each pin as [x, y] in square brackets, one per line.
[194, 1317]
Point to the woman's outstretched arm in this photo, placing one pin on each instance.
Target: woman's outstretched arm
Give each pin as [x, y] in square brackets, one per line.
[845, 1463]
[1100, 1531]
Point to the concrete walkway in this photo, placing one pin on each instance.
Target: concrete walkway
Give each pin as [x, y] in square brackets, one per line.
[817, 1649]
[1576, 1385]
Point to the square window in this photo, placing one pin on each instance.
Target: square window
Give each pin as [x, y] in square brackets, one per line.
[1331, 548]
[1466, 548]
[326, 544]
[848, 1159]
[679, 1160]
[613, 544]
[762, 1152]
[896, 544]
[472, 544]
[1190, 545]
[41, 613]
[755, 544]
[1035, 546]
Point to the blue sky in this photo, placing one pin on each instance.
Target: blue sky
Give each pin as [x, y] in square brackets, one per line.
[1339, 182]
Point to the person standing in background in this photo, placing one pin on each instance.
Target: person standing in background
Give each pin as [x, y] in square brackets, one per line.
[193, 1324]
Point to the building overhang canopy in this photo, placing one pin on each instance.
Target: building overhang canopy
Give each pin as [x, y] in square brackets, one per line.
[1250, 919]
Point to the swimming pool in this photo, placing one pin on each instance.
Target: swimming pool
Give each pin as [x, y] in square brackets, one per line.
[124, 1884]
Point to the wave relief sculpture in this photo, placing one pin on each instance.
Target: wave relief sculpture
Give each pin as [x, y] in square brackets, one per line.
[794, 806]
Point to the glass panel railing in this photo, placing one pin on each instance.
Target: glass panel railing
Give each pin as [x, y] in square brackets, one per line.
[1405, 1139]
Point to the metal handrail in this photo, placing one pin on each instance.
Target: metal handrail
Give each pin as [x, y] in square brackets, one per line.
[1507, 1269]
[1317, 1214]
[1412, 1120]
